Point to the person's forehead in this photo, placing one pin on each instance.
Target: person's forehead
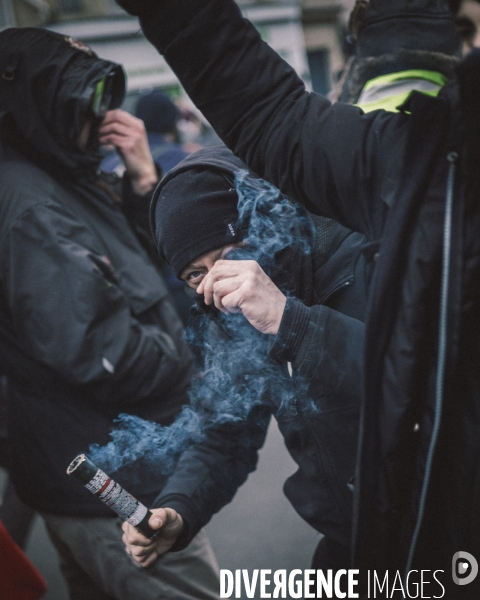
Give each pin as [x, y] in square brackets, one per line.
[205, 259]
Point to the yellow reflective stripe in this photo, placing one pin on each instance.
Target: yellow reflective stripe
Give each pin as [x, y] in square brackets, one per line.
[375, 91]
[393, 103]
[433, 76]
[389, 90]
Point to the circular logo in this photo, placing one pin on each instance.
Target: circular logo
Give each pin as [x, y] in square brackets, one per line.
[464, 568]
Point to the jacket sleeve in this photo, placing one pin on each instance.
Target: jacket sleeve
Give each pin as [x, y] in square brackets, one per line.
[209, 473]
[70, 316]
[330, 158]
[137, 210]
[325, 346]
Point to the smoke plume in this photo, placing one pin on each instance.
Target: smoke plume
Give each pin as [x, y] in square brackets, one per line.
[237, 373]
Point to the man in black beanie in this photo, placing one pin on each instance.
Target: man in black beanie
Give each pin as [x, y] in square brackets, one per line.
[305, 269]
[408, 181]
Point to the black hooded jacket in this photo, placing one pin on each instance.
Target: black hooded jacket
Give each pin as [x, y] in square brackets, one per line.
[87, 330]
[316, 403]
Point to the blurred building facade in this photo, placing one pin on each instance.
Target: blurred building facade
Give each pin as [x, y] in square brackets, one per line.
[308, 34]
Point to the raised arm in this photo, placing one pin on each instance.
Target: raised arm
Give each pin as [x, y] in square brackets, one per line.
[327, 157]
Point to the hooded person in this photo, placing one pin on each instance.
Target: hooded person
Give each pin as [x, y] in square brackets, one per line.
[409, 182]
[306, 371]
[388, 65]
[87, 329]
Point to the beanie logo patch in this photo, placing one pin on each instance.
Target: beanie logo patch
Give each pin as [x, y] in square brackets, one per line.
[229, 222]
[77, 45]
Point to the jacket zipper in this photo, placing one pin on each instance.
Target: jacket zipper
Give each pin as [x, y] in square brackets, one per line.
[341, 285]
[442, 351]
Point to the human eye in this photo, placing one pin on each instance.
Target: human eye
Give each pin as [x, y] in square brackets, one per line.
[194, 277]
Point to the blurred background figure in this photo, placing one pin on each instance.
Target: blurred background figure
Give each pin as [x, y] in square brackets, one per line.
[160, 116]
[467, 22]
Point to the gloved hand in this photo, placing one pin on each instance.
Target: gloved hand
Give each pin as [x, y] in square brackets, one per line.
[139, 7]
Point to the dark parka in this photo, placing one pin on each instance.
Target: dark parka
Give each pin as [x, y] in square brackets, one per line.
[87, 330]
[316, 407]
[388, 176]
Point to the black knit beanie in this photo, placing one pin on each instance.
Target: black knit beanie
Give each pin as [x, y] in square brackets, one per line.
[195, 212]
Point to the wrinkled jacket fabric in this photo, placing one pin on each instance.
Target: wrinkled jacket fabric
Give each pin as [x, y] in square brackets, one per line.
[385, 175]
[87, 330]
[319, 421]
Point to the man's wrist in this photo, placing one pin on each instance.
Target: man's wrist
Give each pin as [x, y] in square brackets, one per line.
[280, 309]
[144, 183]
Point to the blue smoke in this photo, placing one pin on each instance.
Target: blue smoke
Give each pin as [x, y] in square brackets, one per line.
[237, 373]
[275, 223]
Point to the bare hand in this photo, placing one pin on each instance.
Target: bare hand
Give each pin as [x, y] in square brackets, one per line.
[128, 135]
[241, 286]
[144, 551]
